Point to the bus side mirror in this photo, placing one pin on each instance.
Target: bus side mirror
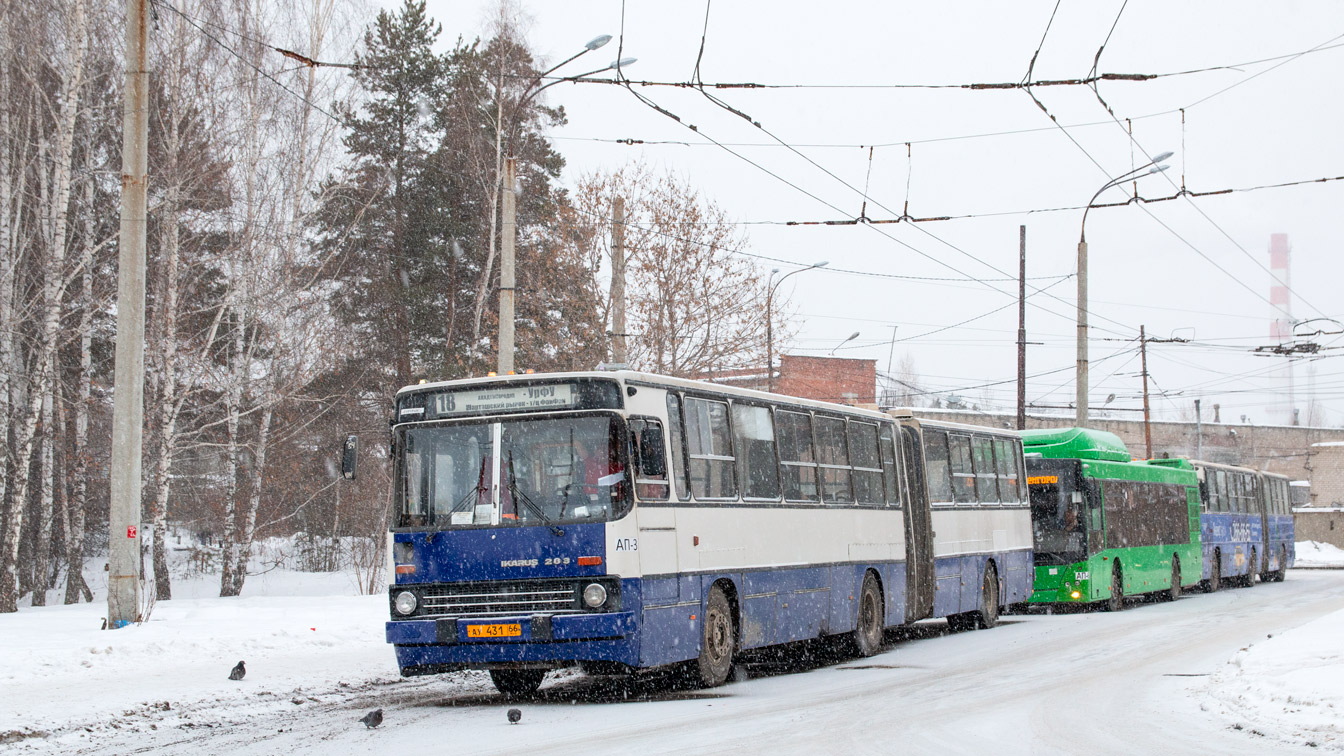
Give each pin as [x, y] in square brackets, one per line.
[652, 457]
[349, 453]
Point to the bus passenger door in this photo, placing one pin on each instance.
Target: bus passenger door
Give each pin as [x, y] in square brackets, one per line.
[919, 576]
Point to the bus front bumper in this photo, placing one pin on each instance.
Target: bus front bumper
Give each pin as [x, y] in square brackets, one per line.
[452, 642]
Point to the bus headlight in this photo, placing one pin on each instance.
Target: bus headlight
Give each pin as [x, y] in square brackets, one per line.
[406, 602]
[594, 595]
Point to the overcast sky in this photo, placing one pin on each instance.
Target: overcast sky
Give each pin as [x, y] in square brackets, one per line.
[1195, 269]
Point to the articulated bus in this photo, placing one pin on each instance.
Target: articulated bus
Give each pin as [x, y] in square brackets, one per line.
[1106, 527]
[621, 521]
[1246, 525]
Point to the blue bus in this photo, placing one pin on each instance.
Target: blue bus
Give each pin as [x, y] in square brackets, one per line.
[622, 521]
[1246, 525]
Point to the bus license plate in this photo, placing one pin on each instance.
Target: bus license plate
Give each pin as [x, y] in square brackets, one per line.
[512, 630]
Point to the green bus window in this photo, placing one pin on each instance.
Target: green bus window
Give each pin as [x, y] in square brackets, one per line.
[937, 465]
[755, 435]
[797, 459]
[678, 448]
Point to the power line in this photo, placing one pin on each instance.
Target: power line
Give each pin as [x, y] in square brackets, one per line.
[170, 6]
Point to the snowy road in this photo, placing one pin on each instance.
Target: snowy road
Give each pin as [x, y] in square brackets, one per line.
[1155, 678]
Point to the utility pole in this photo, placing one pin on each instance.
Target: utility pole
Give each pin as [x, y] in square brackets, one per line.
[128, 398]
[618, 282]
[1147, 426]
[1022, 328]
[509, 231]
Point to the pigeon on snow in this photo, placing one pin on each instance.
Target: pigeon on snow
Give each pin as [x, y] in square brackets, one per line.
[238, 672]
[515, 715]
[373, 718]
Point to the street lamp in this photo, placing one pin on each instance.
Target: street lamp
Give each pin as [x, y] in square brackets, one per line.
[852, 336]
[770, 319]
[508, 185]
[1081, 378]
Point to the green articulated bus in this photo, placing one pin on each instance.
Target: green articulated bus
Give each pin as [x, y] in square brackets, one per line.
[1106, 526]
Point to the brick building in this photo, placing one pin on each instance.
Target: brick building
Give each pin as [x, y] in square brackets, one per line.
[827, 379]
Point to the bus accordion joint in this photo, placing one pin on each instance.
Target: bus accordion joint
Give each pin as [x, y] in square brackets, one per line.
[590, 561]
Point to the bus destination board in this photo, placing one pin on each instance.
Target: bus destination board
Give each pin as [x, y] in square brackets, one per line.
[502, 399]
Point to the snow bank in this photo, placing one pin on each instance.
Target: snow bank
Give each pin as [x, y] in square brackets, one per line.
[1288, 688]
[305, 636]
[1317, 554]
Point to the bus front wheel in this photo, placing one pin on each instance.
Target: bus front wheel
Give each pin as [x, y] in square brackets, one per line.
[517, 683]
[718, 642]
[1117, 600]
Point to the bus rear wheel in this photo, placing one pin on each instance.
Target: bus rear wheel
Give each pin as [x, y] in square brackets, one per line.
[867, 639]
[1117, 600]
[988, 613]
[517, 683]
[1277, 575]
[718, 641]
[1175, 591]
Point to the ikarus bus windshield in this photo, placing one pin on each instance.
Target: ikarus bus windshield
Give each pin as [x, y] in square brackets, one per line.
[518, 472]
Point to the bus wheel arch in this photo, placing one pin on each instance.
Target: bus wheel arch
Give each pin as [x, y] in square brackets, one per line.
[870, 622]
[718, 634]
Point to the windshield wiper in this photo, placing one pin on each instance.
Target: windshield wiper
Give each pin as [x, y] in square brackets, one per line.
[532, 507]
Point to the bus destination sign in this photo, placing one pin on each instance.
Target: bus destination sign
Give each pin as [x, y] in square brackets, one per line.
[503, 399]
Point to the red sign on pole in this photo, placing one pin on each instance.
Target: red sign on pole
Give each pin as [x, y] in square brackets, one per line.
[130, 531]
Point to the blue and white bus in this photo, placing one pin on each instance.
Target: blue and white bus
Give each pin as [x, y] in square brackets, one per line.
[1280, 536]
[622, 521]
[1246, 524]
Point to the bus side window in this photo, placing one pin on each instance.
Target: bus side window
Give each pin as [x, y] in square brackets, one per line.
[1005, 464]
[833, 453]
[678, 448]
[888, 443]
[755, 436]
[797, 460]
[936, 463]
[863, 454]
[713, 467]
[986, 484]
[646, 440]
[963, 470]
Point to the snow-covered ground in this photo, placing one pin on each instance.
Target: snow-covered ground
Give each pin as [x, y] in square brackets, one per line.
[1257, 670]
[1319, 555]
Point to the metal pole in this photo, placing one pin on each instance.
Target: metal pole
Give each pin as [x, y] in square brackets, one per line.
[123, 522]
[1199, 433]
[770, 340]
[1081, 378]
[1147, 427]
[506, 265]
[618, 282]
[1022, 328]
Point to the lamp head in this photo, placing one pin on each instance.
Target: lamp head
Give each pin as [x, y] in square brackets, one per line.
[623, 62]
[821, 264]
[1163, 156]
[597, 42]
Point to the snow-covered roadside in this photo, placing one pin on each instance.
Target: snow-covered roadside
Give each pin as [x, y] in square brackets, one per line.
[1288, 688]
[60, 673]
[1317, 555]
